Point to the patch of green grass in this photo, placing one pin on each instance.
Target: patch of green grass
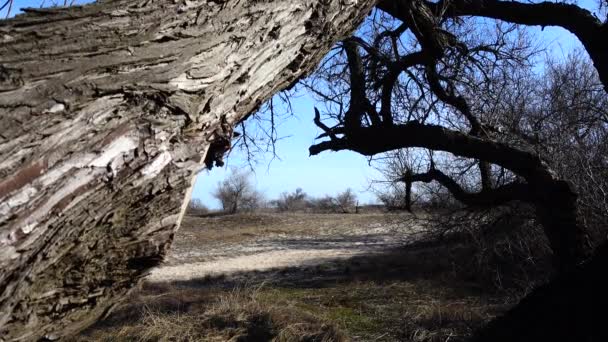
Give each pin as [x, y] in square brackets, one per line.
[334, 305]
[414, 310]
[398, 310]
[353, 321]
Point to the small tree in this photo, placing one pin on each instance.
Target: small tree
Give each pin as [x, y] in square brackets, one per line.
[345, 201]
[237, 193]
[197, 208]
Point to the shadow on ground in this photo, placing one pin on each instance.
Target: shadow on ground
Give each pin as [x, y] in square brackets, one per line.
[416, 292]
[421, 260]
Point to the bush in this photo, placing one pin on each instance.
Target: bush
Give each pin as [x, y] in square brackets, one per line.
[502, 248]
[392, 199]
[294, 201]
[322, 204]
[344, 202]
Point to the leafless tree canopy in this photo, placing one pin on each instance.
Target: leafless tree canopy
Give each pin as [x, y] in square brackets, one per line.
[237, 193]
[292, 201]
[559, 112]
[108, 109]
[444, 77]
[346, 201]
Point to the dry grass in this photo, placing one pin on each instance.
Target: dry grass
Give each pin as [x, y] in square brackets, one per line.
[361, 311]
[169, 313]
[403, 296]
[242, 227]
[417, 293]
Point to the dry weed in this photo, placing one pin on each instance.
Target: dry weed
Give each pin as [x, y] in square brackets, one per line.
[237, 315]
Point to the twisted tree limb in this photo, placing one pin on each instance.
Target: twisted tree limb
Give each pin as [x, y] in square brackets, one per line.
[485, 198]
[592, 32]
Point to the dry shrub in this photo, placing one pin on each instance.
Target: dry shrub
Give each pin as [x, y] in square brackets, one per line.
[291, 201]
[344, 202]
[261, 321]
[501, 248]
[435, 321]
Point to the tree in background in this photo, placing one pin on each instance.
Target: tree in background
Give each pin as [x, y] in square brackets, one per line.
[393, 167]
[343, 202]
[346, 201]
[197, 208]
[237, 193]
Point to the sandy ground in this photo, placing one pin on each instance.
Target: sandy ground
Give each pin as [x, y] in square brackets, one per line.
[279, 242]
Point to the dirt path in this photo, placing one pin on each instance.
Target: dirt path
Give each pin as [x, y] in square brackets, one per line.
[345, 239]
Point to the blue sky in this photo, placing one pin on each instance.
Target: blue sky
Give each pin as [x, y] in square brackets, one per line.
[17, 4]
[327, 173]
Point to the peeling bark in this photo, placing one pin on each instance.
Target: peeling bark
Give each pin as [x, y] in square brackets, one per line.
[106, 114]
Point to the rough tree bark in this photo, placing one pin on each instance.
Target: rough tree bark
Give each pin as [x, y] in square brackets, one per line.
[106, 114]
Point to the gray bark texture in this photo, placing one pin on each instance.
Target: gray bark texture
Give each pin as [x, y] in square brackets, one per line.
[106, 114]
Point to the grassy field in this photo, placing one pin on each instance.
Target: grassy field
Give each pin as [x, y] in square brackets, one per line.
[413, 292]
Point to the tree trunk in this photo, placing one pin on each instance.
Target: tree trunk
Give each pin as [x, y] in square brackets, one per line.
[106, 114]
[556, 206]
[570, 308]
[408, 190]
